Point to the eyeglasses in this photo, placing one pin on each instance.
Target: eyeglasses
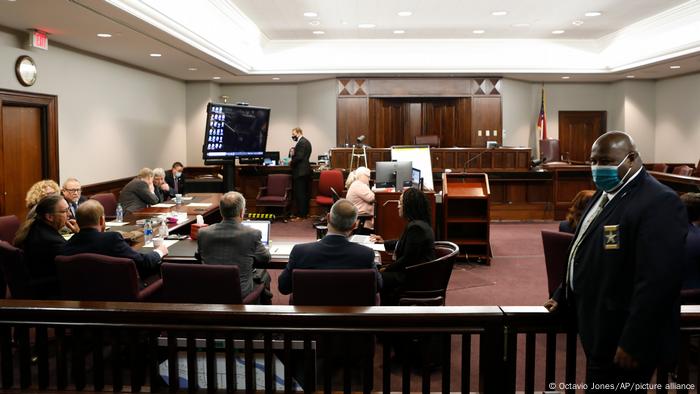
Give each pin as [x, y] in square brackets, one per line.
[63, 211]
[73, 190]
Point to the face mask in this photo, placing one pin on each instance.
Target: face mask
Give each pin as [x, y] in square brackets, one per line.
[606, 177]
[295, 138]
[178, 174]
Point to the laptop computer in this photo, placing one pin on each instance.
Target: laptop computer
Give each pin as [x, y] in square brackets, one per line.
[263, 226]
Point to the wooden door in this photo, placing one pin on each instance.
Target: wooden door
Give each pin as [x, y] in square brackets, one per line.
[21, 155]
[386, 122]
[28, 146]
[577, 132]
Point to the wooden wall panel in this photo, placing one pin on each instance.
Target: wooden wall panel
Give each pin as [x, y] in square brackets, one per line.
[352, 119]
[412, 122]
[407, 87]
[463, 125]
[486, 117]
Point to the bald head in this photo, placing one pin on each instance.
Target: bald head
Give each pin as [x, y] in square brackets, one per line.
[616, 148]
[343, 216]
[90, 214]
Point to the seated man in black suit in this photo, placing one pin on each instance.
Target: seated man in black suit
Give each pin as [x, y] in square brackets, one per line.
[174, 179]
[161, 188]
[334, 251]
[71, 191]
[93, 239]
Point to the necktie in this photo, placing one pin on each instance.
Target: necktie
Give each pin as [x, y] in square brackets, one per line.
[581, 234]
[176, 180]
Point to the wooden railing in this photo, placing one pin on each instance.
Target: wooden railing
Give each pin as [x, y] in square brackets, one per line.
[97, 346]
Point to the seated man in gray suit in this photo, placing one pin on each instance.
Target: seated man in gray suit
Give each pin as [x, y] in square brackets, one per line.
[139, 192]
[334, 251]
[230, 242]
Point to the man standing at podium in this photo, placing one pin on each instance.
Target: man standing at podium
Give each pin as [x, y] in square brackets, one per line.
[624, 271]
[301, 172]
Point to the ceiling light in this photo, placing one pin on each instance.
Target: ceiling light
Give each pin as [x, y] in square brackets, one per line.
[521, 25]
[315, 23]
[192, 69]
[478, 31]
[499, 13]
[558, 31]
[310, 14]
[104, 35]
[155, 55]
[343, 22]
[215, 77]
[593, 13]
[565, 77]
[405, 13]
[275, 78]
[630, 76]
[366, 25]
[399, 31]
[674, 67]
[577, 23]
[318, 32]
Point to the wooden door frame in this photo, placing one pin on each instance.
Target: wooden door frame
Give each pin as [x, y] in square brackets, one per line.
[603, 123]
[48, 104]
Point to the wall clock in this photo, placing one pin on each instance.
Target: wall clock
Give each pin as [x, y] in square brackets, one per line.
[25, 69]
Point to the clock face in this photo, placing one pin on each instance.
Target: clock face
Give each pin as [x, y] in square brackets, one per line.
[26, 70]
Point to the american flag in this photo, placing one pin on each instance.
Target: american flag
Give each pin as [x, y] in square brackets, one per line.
[542, 120]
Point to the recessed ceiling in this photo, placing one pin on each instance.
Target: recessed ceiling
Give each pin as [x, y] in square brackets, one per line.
[76, 23]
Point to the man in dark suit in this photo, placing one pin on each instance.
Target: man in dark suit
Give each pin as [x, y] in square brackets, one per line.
[334, 251]
[160, 187]
[301, 172]
[139, 192]
[625, 268]
[92, 238]
[230, 242]
[174, 179]
[72, 191]
[692, 241]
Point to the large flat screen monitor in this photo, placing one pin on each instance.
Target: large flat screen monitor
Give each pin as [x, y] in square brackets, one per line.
[393, 174]
[234, 130]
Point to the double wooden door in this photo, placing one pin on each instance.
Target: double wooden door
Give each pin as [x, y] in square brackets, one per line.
[28, 147]
[577, 132]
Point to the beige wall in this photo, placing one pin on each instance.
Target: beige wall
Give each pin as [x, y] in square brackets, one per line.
[112, 119]
[677, 125]
[199, 94]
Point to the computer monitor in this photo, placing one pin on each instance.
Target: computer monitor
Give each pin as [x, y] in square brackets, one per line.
[395, 174]
[263, 226]
[271, 158]
[415, 177]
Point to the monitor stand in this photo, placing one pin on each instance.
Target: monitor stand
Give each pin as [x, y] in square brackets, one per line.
[229, 177]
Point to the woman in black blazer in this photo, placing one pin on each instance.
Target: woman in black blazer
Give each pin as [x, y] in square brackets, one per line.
[415, 245]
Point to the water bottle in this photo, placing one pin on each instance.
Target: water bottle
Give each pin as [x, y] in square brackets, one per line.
[163, 230]
[147, 232]
[120, 213]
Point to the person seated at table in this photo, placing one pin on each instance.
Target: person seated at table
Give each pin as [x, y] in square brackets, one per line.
[72, 193]
[39, 190]
[230, 242]
[139, 193]
[692, 241]
[359, 193]
[415, 246]
[578, 207]
[334, 251]
[161, 188]
[92, 238]
[174, 179]
[41, 241]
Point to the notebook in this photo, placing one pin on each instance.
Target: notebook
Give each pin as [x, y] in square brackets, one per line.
[263, 226]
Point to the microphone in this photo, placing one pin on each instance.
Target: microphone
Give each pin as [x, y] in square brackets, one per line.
[464, 168]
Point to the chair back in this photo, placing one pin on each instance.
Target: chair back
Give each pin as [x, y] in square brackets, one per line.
[660, 167]
[556, 246]
[15, 272]
[277, 184]
[201, 283]
[428, 281]
[95, 277]
[334, 287]
[330, 179]
[8, 228]
[432, 140]
[683, 170]
[549, 150]
[108, 201]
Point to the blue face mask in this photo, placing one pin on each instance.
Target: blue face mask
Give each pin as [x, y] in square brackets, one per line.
[606, 177]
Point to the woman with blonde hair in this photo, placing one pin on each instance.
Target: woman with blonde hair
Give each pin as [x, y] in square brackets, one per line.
[39, 190]
[359, 193]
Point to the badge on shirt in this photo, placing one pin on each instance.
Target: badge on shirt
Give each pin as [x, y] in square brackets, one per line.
[611, 236]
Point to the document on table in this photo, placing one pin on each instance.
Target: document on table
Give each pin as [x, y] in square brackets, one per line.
[163, 205]
[199, 204]
[116, 224]
[187, 198]
[167, 242]
[364, 241]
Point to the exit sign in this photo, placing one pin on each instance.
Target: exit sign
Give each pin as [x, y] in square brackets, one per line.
[38, 39]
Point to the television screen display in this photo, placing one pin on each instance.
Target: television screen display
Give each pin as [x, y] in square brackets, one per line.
[395, 174]
[234, 130]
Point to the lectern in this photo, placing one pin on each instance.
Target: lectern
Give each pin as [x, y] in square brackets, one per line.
[466, 209]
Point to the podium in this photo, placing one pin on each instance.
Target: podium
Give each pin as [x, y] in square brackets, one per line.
[387, 221]
[466, 213]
